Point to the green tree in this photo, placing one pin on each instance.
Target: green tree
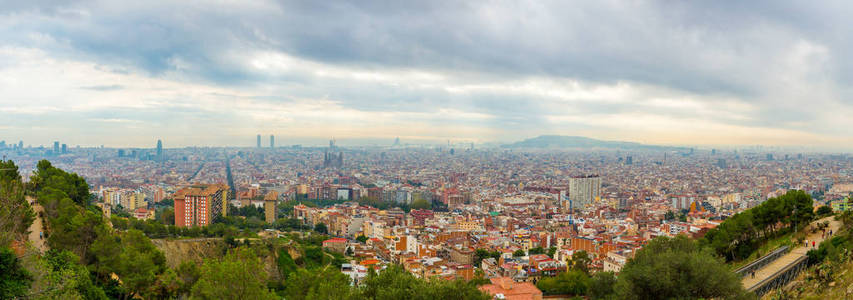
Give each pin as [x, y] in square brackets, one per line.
[396, 283]
[518, 253]
[188, 274]
[552, 251]
[580, 261]
[286, 265]
[536, 250]
[239, 275]
[670, 268]
[167, 286]
[167, 216]
[14, 280]
[602, 285]
[16, 215]
[824, 210]
[574, 282]
[321, 228]
[421, 204]
[320, 283]
[361, 239]
[131, 256]
[59, 275]
[742, 234]
[140, 262]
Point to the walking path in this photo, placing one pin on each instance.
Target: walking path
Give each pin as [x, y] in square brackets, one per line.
[797, 252]
[36, 236]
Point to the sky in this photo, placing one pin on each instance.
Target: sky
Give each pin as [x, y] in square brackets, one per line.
[215, 73]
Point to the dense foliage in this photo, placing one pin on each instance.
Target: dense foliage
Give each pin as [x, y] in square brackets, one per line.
[677, 268]
[574, 282]
[397, 283]
[481, 254]
[236, 276]
[14, 280]
[743, 233]
[16, 215]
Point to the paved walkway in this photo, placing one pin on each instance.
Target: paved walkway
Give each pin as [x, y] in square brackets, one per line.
[37, 227]
[796, 252]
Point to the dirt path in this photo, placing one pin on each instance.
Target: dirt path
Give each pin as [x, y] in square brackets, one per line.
[37, 228]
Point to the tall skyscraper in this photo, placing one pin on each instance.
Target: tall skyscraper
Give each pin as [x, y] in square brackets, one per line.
[159, 149]
[56, 147]
[259, 141]
[629, 160]
[272, 141]
[198, 205]
[20, 144]
[584, 190]
[64, 148]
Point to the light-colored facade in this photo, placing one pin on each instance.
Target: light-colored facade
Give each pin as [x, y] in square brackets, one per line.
[584, 190]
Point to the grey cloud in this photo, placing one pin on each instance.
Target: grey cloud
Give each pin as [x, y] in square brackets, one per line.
[724, 48]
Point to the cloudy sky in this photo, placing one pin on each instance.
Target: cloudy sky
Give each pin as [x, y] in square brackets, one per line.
[124, 73]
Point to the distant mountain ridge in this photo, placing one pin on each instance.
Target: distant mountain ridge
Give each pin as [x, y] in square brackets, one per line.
[564, 142]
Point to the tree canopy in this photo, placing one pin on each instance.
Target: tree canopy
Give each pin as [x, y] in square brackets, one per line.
[16, 215]
[739, 236]
[238, 275]
[14, 280]
[677, 268]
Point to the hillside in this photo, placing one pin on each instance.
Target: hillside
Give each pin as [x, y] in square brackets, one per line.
[579, 142]
[177, 251]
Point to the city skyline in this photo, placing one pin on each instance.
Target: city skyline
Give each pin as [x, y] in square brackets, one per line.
[459, 144]
[98, 72]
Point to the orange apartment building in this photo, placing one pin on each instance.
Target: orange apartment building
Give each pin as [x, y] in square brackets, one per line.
[198, 205]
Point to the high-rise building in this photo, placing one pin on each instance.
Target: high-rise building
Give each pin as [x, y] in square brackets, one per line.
[20, 144]
[198, 205]
[64, 148]
[259, 141]
[721, 163]
[159, 149]
[584, 190]
[269, 206]
[272, 141]
[629, 160]
[56, 147]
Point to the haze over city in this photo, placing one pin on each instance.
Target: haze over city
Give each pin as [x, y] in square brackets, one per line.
[195, 73]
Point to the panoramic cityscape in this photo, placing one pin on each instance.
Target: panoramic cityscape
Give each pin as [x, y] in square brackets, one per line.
[435, 150]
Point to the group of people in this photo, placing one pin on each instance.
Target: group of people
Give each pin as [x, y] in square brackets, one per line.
[823, 236]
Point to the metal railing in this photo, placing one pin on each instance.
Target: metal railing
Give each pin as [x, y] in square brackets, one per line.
[780, 278]
[762, 261]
